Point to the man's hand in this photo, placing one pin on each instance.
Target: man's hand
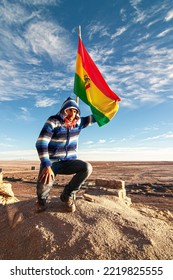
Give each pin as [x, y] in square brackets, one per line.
[46, 175]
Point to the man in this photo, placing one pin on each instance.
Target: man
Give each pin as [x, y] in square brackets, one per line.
[56, 146]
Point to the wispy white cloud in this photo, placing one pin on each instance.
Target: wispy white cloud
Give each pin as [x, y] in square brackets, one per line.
[6, 141]
[134, 3]
[152, 13]
[100, 54]
[152, 22]
[89, 142]
[123, 14]
[97, 28]
[15, 83]
[112, 140]
[47, 38]
[149, 98]
[127, 102]
[168, 135]
[24, 52]
[14, 13]
[101, 141]
[119, 32]
[163, 33]
[146, 73]
[149, 129]
[140, 15]
[5, 145]
[41, 2]
[24, 114]
[45, 101]
[169, 15]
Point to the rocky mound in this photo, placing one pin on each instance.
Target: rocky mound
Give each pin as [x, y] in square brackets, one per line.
[105, 228]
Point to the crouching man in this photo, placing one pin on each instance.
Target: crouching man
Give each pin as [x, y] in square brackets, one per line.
[57, 146]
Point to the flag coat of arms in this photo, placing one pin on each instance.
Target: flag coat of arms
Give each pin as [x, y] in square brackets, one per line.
[91, 88]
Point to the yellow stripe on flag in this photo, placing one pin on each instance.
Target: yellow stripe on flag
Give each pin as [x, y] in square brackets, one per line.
[79, 67]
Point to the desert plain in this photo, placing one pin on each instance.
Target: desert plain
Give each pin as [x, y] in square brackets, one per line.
[105, 228]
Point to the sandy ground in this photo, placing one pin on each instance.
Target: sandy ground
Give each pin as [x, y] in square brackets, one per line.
[104, 229]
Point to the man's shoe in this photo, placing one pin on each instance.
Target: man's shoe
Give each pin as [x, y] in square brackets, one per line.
[69, 202]
[70, 205]
[41, 206]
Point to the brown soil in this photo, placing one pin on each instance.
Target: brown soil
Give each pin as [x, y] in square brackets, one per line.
[104, 229]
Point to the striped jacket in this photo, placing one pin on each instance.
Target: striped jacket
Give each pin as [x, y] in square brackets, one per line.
[56, 142]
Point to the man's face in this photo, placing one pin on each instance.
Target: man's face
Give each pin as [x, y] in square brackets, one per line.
[71, 114]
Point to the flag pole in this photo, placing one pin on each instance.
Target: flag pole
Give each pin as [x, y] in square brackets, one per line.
[79, 32]
[79, 35]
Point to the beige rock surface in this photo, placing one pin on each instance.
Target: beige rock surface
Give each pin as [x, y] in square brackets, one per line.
[102, 228]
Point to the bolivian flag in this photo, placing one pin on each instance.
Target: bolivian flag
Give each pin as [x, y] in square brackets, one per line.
[91, 88]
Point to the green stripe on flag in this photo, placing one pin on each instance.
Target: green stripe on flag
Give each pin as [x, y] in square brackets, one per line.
[79, 89]
[99, 117]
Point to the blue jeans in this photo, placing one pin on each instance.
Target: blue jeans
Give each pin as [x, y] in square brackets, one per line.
[79, 168]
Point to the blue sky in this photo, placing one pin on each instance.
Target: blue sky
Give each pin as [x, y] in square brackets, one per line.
[131, 41]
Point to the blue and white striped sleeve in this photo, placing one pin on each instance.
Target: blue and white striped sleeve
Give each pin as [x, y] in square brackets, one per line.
[43, 142]
[87, 121]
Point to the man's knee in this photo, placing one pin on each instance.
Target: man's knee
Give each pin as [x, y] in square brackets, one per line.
[89, 168]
